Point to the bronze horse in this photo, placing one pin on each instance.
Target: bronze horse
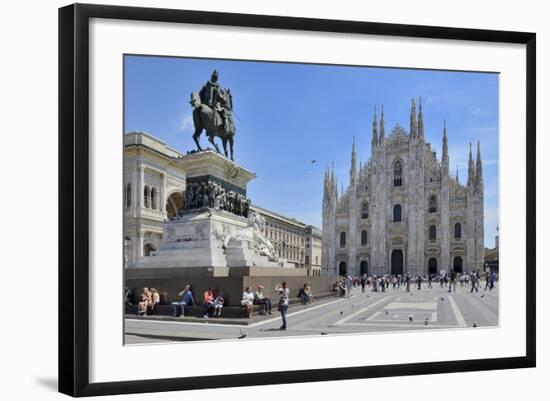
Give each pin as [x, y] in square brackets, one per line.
[205, 118]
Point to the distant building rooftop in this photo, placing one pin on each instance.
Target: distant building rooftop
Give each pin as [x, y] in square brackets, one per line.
[149, 141]
[277, 215]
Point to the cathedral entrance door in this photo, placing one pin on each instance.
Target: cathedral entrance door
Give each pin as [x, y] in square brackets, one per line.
[457, 264]
[364, 267]
[397, 262]
[432, 266]
[342, 269]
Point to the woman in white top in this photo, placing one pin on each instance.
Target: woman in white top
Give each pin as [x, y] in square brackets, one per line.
[283, 291]
[248, 301]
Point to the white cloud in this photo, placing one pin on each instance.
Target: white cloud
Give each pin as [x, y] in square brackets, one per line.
[476, 111]
[187, 123]
[431, 101]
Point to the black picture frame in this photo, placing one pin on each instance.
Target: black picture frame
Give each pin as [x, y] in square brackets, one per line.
[74, 198]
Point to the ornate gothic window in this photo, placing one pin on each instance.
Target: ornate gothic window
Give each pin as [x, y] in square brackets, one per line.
[128, 195]
[397, 213]
[433, 233]
[397, 174]
[458, 230]
[365, 211]
[364, 237]
[342, 239]
[146, 196]
[432, 204]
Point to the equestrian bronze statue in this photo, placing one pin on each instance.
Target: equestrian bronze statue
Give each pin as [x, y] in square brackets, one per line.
[213, 112]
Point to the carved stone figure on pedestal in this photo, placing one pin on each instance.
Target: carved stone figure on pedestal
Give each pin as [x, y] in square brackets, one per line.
[254, 237]
[210, 194]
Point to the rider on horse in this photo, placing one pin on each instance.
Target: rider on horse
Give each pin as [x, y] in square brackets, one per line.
[218, 99]
[212, 112]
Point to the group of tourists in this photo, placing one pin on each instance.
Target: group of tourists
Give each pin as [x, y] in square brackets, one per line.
[382, 283]
[249, 299]
[213, 301]
[342, 287]
[148, 301]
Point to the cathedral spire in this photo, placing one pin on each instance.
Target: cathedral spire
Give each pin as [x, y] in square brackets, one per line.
[414, 124]
[445, 152]
[420, 120]
[374, 129]
[382, 128]
[470, 167]
[326, 187]
[353, 170]
[457, 174]
[479, 176]
[333, 183]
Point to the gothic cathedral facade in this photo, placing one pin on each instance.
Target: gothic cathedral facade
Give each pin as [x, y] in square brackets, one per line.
[402, 211]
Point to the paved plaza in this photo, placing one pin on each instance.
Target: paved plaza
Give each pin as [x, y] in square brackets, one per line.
[368, 312]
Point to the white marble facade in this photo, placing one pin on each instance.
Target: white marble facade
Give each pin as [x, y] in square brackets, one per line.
[402, 211]
[153, 191]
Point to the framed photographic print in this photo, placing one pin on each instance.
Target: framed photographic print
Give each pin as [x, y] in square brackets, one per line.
[293, 188]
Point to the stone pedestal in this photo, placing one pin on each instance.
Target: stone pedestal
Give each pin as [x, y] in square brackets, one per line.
[209, 165]
[195, 240]
[201, 235]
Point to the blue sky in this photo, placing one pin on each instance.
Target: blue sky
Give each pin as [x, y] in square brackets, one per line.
[290, 114]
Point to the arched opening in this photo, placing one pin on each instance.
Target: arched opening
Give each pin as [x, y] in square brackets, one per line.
[397, 213]
[128, 195]
[342, 269]
[397, 174]
[364, 267]
[365, 211]
[149, 249]
[432, 204]
[458, 230]
[364, 237]
[457, 264]
[153, 198]
[432, 234]
[397, 262]
[174, 204]
[342, 239]
[432, 266]
[146, 196]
